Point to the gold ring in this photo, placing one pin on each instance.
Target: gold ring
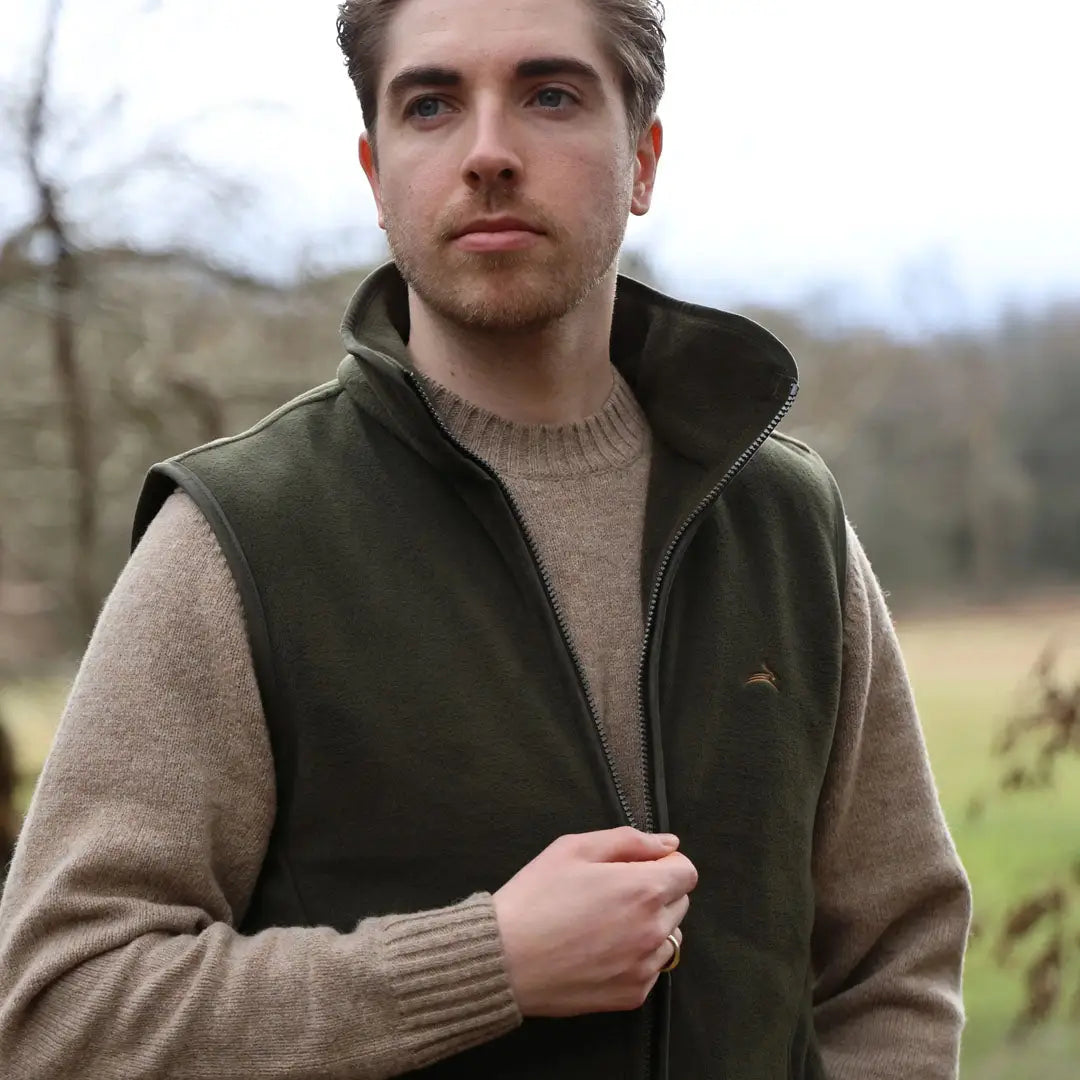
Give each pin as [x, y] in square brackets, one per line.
[673, 963]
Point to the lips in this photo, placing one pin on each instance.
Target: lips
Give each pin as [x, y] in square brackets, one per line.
[498, 225]
[497, 235]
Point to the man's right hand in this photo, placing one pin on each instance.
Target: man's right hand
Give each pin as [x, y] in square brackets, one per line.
[585, 924]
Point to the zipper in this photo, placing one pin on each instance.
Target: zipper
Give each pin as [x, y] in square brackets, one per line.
[545, 578]
[650, 626]
[651, 616]
[658, 584]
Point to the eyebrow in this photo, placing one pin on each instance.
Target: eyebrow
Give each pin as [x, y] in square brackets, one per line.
[550, 66]
[412, 78]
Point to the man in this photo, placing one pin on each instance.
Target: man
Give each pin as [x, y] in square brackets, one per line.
[372, 762]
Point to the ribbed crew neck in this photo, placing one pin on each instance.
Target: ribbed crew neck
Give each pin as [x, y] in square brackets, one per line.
[610, 439]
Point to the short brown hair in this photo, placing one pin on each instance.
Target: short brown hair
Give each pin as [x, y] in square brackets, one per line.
[633, 32]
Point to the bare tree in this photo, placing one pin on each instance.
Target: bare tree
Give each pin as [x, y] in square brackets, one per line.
[61, 273]
[54, 251]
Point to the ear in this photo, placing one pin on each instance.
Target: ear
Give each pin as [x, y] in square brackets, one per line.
[647, 157]
[369, 163]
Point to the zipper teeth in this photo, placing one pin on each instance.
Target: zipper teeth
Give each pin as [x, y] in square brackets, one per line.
[654, 599]
[650, 621]
[545, 578]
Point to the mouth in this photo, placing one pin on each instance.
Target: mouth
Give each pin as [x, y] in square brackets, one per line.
[497, 234]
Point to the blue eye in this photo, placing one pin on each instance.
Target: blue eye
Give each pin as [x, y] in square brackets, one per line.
[426, 108]
[553, 99]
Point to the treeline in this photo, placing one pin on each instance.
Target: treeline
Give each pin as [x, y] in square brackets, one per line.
[959, 456]
[167, 352]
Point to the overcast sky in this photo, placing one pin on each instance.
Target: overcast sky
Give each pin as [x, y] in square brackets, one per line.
[922, 153]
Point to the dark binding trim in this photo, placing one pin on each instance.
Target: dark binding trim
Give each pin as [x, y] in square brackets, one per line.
[162, 480]
[841, 544]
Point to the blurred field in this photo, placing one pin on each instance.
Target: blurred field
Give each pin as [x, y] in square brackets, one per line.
[969, 669]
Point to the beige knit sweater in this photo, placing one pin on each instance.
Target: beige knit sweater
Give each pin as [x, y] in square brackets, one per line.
[119, 958]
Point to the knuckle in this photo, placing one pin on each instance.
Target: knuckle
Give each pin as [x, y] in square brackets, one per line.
[682, 876]
[566, 845]
[650, 892]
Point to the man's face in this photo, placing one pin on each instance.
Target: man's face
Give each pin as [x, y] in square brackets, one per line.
[504, 115]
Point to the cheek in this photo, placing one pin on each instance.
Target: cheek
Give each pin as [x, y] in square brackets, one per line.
[586, 185]
[408, 198]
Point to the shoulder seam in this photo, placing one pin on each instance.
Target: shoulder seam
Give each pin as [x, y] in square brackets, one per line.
[790, 440]
[317, 393]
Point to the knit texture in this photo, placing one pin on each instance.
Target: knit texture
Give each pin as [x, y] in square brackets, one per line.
[141, 849]
[118, 950]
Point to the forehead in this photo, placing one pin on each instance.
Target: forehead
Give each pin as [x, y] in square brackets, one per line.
[491, 35]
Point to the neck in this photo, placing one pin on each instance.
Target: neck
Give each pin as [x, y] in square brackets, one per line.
[558, 375]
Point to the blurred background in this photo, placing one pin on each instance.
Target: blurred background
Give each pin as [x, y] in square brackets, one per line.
[891, 188]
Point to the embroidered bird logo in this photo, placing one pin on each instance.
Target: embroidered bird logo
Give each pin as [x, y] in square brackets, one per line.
[765, 676]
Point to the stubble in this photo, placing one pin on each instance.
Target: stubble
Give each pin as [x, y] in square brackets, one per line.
[512, 292]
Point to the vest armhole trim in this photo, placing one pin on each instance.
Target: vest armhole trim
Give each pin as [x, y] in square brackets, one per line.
[282, 735]
[842, 553]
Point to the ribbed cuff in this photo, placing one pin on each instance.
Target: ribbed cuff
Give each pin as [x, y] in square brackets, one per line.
[450, 980]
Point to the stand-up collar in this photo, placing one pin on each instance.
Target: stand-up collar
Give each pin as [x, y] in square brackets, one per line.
[704, 378]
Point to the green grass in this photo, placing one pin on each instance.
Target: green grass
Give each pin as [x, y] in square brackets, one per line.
[967, 669]
[969, 672]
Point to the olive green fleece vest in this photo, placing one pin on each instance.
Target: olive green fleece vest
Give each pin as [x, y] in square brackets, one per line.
[429, 726]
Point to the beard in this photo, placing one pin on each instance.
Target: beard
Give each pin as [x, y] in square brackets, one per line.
[505, 292]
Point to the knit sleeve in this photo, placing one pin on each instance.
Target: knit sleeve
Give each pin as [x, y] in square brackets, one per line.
[119, 954]
[892, 901]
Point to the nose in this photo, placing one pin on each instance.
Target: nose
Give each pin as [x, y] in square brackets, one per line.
[492, 159]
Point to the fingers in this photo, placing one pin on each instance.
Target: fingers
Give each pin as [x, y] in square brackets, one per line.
[679, 876]
[676, 912]
[666, 953]
[623, 845]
